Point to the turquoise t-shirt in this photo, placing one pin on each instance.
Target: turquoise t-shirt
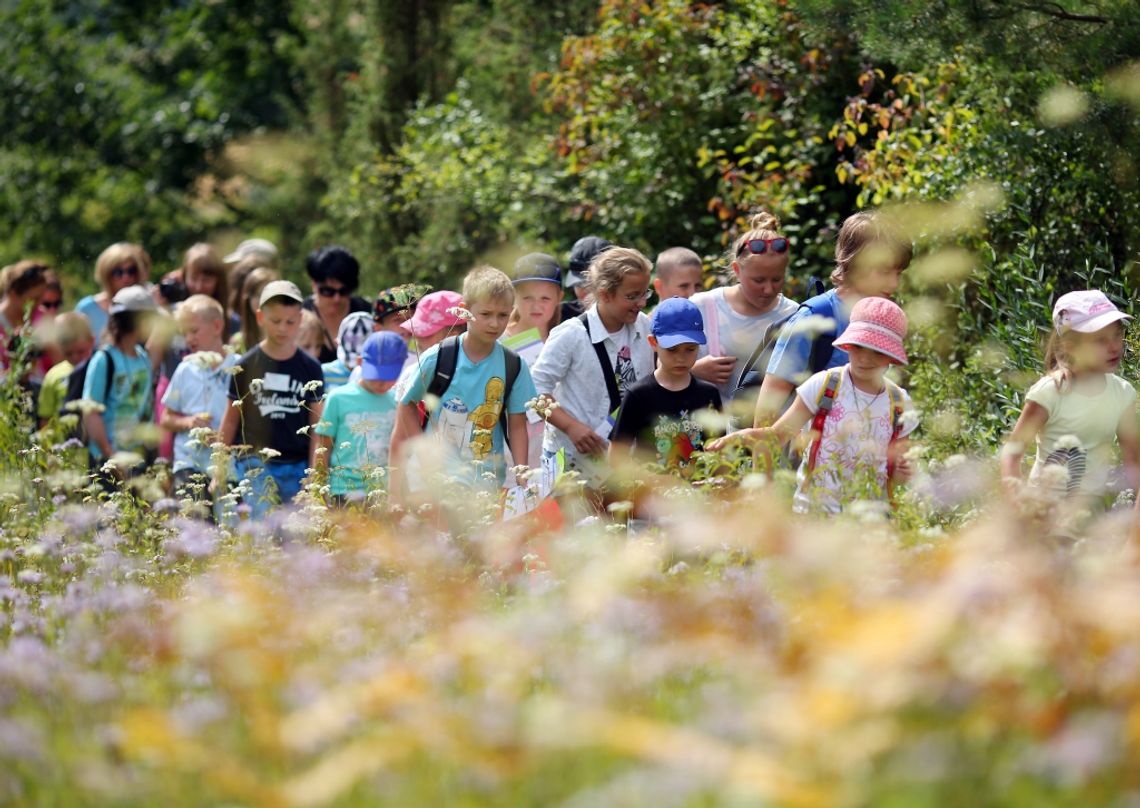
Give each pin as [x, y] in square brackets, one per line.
[360, 424]
[127, 402]
[336, 374]
[467, 418]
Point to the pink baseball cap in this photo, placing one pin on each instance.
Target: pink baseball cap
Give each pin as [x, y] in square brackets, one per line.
[878, 324]
[1085, 311]
[432, 314]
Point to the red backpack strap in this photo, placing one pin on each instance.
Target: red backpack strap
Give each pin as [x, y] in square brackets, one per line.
[823, 409]
[896, 403]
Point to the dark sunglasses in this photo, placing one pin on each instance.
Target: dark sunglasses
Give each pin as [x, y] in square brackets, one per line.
[759, 246]
[51, 304]
[334, 291]
[122, 272]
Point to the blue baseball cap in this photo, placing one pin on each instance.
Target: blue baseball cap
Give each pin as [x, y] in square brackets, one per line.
[383, 357]
[677, 321]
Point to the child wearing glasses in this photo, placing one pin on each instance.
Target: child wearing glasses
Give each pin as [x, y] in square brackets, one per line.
[870, 256]
[590, 361]
[117, 267]
[737, 317]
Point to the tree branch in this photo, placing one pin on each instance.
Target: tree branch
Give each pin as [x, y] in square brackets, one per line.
[1059, 12]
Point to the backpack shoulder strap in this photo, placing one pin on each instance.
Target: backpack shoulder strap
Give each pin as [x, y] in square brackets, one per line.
[110, 371]
[607, 366]
[445, 362]
[895, 395]
[712, 323]
[512, 363]
[771, 334]
[824, 404]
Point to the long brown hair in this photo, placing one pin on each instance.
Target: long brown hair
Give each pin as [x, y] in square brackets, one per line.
[861, 230]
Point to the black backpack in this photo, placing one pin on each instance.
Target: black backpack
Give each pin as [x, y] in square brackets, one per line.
[75, 382]
[445, 363]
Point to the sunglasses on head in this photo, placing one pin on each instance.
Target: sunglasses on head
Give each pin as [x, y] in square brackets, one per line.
[759, 246]
[121, 272]
[333, 291]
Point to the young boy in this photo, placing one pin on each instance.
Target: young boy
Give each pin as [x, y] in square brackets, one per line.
[677, 273]
[280, 388]
[356, 426]
[657, 410]
[468, 419]
[197, 396]
[72, 334]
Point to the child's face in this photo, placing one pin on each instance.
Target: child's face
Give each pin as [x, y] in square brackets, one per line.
[1100, 351]
[678, 360]
[491, 318]
[391, 322]
[626, 303]
[875, 272]
[79, 351]
[377, 387]
[761, 277]
[280, 323]
[200, 283]
[201, 333]
[682, 281]
[536, 302]
[867, 365]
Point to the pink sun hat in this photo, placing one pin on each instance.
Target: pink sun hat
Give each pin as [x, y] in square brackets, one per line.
[1086, 311]
[432, 314]
[878, 324]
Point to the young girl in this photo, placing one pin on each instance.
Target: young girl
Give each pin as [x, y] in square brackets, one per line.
[1075, 410]
[854, 416]
[870, 257]
[119, 378]
[255, 281]
[737, 317]
[21, 286]
[117, 267]
[590, 361]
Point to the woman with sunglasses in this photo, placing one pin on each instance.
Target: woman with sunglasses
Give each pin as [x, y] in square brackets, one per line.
[870, 256]
[117, 267]
[738, 316]
[335, 274]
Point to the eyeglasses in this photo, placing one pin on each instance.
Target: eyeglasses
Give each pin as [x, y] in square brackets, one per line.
[637, 298]
[128, 271]
[51, 304]
[334, 291]
[759, 246]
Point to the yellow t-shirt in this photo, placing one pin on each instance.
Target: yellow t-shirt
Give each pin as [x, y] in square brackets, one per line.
[54, 390]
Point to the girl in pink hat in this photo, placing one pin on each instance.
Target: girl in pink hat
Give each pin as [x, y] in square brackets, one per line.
[1079, 406]
[849, 418]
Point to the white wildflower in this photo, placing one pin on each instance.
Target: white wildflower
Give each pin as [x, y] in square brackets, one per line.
[461, 313]
[269, 454]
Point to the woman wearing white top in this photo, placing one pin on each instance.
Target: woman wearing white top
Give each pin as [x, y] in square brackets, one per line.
[737, 317]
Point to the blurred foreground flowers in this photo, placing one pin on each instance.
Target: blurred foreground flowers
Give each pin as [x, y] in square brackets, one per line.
[736, 656]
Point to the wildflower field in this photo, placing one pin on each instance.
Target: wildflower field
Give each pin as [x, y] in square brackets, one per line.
[732, 655]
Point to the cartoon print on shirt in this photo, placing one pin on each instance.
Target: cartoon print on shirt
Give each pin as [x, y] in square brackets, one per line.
[484, 418]
[625, 372]
[374, 429]
[453, 427]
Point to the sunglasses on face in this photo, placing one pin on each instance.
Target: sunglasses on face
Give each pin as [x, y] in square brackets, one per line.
[122, 272]
[759, 246]
[333, 291]
[51, 304]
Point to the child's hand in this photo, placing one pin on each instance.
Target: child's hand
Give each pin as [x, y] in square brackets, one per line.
[715, 369]
[586, 440]
[746, 436]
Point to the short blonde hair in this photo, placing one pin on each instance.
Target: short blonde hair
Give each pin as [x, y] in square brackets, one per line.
[69, 329]
[202, 306]
[673, 259]
[610, 268]
[487, 283]
[119, 253]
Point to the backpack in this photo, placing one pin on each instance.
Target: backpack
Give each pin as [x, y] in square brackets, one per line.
[75, 382]
[823, 410]
[445, 363]
[607, 367]
[753, 370]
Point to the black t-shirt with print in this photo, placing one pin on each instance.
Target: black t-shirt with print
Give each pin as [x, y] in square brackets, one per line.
[272, 414]
[652, 416]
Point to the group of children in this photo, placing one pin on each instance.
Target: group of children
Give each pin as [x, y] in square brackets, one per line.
[505, 374]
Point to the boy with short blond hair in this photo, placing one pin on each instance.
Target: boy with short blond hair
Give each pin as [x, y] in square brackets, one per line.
[72, 333]
[677, 273]
[279, 388]
[197, 395]
[484, 381]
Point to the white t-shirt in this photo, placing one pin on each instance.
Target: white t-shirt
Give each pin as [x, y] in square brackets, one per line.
[852, 460]
[735, 334]
[1081, 429]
